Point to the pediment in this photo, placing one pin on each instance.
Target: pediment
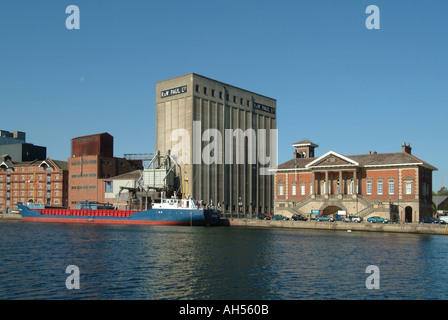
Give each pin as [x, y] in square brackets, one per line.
[332, 159]
[6, 165]
[46, 164]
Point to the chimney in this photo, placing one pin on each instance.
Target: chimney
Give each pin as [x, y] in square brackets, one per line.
[406, 148]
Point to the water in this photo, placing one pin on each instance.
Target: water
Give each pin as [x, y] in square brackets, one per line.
[224, 263]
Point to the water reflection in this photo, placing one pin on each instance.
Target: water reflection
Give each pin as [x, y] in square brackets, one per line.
[144, 262]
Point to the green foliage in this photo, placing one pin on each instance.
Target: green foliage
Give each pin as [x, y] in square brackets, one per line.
[443, 191]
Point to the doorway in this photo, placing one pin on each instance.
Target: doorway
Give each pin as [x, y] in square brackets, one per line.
[408, 214]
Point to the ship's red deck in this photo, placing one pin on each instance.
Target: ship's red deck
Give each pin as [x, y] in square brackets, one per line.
[87, 212]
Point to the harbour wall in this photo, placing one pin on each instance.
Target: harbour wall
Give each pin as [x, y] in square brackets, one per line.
[441, 229]
[10, 216]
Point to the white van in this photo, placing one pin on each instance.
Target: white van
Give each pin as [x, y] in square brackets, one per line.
[444, 218]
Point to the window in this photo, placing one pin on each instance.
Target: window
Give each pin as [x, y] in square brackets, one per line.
[109, 186]
[380, 186]
[408, 187]
[197, 88]
[294, 189]
[369, 187]
[205, 90]
[213, 92]
[391, 186]
[281, 190]
[302, 189]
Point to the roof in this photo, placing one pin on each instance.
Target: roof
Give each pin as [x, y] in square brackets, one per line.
[132, 175]
[364, 160]
[61, 165]
[192, 74]
[94, 135]
[438, 199]
[304, 143]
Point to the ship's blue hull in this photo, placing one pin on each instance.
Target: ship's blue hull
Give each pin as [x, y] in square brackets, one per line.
[191, 217]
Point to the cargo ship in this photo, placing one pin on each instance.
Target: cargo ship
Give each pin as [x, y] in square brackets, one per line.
[170, 211]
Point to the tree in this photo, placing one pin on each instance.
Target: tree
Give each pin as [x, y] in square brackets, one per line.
[434, 208]
[443, 191]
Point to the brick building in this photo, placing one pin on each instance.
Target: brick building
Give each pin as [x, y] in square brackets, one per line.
[40, 181]
[393, 185]
[92, 167]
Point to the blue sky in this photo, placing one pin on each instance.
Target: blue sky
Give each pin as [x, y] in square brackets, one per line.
[346, 88]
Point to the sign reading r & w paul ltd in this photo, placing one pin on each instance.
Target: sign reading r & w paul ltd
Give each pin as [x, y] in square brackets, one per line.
[173, 92]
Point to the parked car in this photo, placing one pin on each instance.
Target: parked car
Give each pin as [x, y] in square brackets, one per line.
[280, 217]
[263, 216]
[353, 219]
[378, 219]
[324, 218]
[298, 217]
[432, 220]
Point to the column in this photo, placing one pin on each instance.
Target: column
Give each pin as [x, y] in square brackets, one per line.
[341, 183]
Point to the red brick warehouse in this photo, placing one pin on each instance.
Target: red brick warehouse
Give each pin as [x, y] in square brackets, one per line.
[92, 167]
